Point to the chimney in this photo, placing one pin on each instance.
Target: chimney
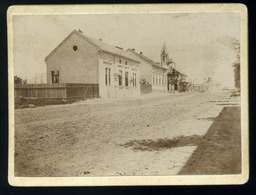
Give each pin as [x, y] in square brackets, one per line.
[133, 49]
[100, 39]
[119, 47]
[141, 53]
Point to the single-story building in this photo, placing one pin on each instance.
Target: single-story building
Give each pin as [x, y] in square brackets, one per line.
[208, 85]
[177, 80]
[151, 72]
[211, 85]
[82, 59]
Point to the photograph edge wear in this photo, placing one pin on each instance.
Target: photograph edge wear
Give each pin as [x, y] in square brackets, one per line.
[148, 94]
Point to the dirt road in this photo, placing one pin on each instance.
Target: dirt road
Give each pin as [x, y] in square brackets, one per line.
[220, 150]
[152, 135]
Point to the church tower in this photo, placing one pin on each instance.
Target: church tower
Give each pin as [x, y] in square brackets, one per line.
[164, 55]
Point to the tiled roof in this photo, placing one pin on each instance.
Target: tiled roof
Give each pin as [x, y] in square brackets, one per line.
[109, 48]
[180, 71]
[141, 56]
[157, 64]
[101, 45]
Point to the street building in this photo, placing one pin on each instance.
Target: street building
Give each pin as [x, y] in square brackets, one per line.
[84, 60]
[160, 76]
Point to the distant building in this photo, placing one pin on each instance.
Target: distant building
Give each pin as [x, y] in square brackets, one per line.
[153, 73]
[211, 85]
[208, 85]
[159, 75]
[177, 80]
[82, 59]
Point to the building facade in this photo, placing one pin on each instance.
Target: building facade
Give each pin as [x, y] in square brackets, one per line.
[211, 85]
[159, 78]
[162, 76]
[151, 72]
[82, 59]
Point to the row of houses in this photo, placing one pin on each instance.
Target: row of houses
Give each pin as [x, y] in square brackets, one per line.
[81, 59]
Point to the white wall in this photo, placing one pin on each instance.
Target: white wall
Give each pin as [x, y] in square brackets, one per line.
[113, 89]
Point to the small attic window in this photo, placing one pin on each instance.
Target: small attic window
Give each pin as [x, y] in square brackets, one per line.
[74, 47]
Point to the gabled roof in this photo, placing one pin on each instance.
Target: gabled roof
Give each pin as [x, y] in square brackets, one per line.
[180, 71]
[142, 57]
[158, 64]
[100, 46]
[153, 63]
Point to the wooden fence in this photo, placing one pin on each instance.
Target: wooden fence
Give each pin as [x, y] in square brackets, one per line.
[205, 88]
[57, 90]
[145, 88]
[198, 88]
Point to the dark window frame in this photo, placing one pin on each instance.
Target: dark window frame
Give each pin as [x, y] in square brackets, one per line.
[109, 76]
[126, 79]
[120, 77]
[55, 76]
[106, 76]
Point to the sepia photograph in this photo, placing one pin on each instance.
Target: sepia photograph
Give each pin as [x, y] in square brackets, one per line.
[128, 93]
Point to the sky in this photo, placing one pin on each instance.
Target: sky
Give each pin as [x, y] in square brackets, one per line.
[196, 42]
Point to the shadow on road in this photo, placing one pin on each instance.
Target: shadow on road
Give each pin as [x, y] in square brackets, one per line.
[161, 144]
[220, 151]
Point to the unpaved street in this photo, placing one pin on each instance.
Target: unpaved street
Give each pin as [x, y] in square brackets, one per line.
[155, 134]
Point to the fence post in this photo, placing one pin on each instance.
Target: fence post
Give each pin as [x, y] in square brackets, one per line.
[93, 90]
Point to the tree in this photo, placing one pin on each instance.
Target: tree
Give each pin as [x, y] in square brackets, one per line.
[236, 65]
[17, 80]
[233, 44]
[143, 81]
[173, 79]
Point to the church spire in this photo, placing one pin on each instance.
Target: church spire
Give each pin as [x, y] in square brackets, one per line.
[164, 47]
[164, 55]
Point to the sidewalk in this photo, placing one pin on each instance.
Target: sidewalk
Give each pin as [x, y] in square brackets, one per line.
[219, 152]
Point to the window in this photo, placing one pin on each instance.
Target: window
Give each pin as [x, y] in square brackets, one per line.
[55, 76]
[159, 79]
[153, 78]
[126, 78]
[156, 79]
[74, 47]
[120, 61]
[134, 79]
[106, 76]
[126, 63]
[135, 82]
[120, 77]
[109, 78]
